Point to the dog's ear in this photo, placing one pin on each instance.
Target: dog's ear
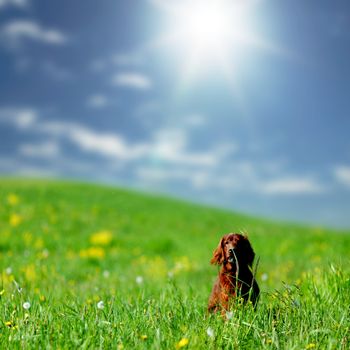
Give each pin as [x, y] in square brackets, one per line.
[218, 254]
[248, 254]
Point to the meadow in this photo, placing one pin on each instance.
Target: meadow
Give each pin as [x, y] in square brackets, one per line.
[92, 267]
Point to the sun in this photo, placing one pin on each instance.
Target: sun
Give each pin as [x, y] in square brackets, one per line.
[204, 27]
[208, 36]
[208, 26]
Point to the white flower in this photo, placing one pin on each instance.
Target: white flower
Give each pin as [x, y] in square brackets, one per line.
[139, 279]
[106, 273]
[18, 287]
[26, 305]
[264, 277]
[8, 271]
[100, 305]
[229, 315]
[210, 332]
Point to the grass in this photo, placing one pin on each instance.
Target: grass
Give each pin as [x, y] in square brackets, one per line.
[108, 268]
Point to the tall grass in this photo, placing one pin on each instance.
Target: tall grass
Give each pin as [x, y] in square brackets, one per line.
[89, 267]
[314, 314]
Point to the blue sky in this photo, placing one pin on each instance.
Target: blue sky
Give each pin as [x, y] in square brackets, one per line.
[125, 93]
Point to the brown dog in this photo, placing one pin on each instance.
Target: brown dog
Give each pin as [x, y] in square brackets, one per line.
[235, 255]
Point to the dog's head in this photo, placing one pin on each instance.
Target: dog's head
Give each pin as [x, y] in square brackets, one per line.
[233, 249]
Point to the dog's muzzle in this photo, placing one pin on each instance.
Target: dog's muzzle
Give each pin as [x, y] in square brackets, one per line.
[232, 257]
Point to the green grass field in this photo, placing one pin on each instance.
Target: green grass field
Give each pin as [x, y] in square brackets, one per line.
[92, 267]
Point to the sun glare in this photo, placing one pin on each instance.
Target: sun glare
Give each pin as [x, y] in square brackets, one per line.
[205, 27]
[209, 36]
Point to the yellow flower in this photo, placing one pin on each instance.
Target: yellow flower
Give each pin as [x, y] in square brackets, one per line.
[9, 324]
[30, 272]
[12, 199]
[92, 253]
[15, 220]
[2, 292]
[155, 267]
[182, 264]
[120, 347]
[143, 337]
[310, 346]
[101, 238]
[182, 343]
[39, 243]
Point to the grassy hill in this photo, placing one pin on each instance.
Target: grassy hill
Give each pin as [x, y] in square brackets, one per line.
[109, 268]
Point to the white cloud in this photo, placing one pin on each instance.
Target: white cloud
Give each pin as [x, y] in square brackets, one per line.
[166, 158]
[17, 30]
[226, 176]
[22, 117]
[132, 80]
[230, 176]
[109, 145]
[167, 146]
[170, 145]
[16, 3]
[291, 186]
[106, 144]
[342, 175]
[97, 101]
[172, 160]
[48, 149]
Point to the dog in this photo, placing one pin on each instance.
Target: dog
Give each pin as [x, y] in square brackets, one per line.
[236, 280]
